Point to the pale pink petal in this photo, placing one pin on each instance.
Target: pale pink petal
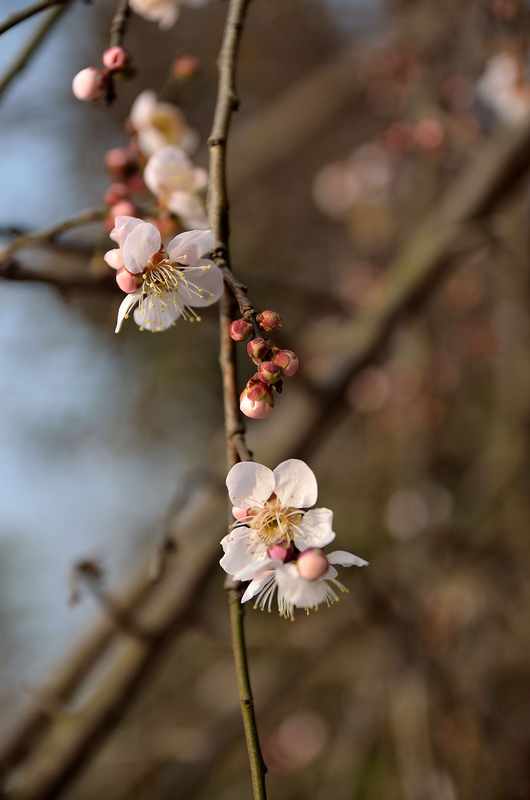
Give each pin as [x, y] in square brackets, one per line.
[205, 286]
[140, 245]
[243, 549]
[254, 570]
[294, 589]
[189, 208]
[187, 248]
[158, 312]
[315, 529]
[249, 484]
[122, 227]
[114, 258]
[126, 304]
[346, 559]
[200, 177]
[257, 585]
[330, 575]
[296, 485]
[142, 109]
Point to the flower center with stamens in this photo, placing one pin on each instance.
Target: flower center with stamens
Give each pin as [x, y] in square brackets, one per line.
[274, 523]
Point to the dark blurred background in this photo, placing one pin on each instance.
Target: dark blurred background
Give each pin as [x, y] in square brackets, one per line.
[356, 119]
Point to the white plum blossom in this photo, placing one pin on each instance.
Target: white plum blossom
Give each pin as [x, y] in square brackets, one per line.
[504, 89]
[166, 284]
[165, 12]
[268, 506]
[178, 185]
[160, 124]
[298, 585]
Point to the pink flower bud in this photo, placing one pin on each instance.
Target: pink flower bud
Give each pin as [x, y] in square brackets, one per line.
[282, 551]
[257, 349]
[269, 321]
[115, 58]
[185, 66]
[287, 362]
[122, 209]
[117, 163]
[257, 390]
[89, 84]
[114, 258]
[259, 409]
[239, 513]
[312, 564]
[127, 282]
[115, 193]
[136, 184]
[240, 330]
[269, 372]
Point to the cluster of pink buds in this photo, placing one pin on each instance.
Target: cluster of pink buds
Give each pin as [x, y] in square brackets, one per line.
[91, 83]
[124, 168]
[257, 398]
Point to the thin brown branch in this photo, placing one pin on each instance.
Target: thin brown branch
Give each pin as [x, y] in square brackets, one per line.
[26, 13]
[32, 45]
[218, 210]
[50, 233]
[119, 23]
[11, 270]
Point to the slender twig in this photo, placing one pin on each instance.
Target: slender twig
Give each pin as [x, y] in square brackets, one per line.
[32, 45]
[119, 23]
[26, 13]
[237, 449]
[48, 234]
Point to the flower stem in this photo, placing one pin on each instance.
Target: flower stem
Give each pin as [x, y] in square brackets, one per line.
[257, 766]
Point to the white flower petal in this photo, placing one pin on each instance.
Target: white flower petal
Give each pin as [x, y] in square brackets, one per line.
[189, 208]
[204, 286]
[142, 109]
[330, 575]
[168, 170]
[139, 246]
[114, 258]
[257, 585]
[187, 248]
[296, 485]
[122, 227]
[315, 529]
[346, 559]
[243, 549]
[157, 312]
[128, 301]
[294, 589]
[257, 568]
[249, 484]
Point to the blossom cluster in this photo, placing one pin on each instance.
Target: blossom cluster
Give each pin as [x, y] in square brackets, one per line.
[276, 543]
[257, 398]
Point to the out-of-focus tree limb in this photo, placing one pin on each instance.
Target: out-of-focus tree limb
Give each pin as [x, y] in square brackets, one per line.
[11, 270]
[410, 282]
[50, 233]
[26, 13]
[32, 45]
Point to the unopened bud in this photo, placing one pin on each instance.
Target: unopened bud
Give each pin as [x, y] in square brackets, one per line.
[269, 372]
[122, 209]
[89, 84]
[240, 330]
[287, 362]
[185, 66]
[115, 193]
[114, 258]
[259, 409]
[258, 349]
[312, 564]
[115, 58]
[269, 321]
[136, 184]
[283, 551]
[117, 163]
[127, 282]
[239, 513]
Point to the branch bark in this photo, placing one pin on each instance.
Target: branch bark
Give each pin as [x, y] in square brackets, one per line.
[32, 45]
[218, 211]
[26, 13]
